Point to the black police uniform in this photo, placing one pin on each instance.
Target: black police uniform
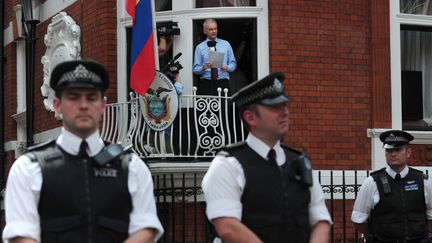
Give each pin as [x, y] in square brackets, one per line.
[401, 211]
[274, 215]
[269, 208]
[97, 204]
[400, 214]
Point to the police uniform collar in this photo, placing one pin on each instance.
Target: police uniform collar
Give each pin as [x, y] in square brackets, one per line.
[393, 173]
[70, 143]
[262, 149]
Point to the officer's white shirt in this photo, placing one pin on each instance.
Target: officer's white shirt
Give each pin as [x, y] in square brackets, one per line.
[368, 197]
[224, 182]
[25, 181]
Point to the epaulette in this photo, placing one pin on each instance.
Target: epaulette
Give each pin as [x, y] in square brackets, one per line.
[41, 145]
[30, 151]
[425, 176]
[416, 170]
[377, 171]
[234, 145]
[291, 149]
[230, 147]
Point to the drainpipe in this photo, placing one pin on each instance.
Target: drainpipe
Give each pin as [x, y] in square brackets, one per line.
[30, 21]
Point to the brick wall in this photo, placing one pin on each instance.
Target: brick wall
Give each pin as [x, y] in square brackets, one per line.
[97, 20]
[99, 38]
[184, 222]
[324, 48]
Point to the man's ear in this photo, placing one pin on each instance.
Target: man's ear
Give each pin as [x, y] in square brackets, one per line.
[104, 101]
[409, 151]
[249, 117]
[56, 104]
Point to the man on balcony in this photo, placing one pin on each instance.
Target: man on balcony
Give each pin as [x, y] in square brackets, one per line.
[395, 203]
[260, 190]
[212, 77]
[78, 188]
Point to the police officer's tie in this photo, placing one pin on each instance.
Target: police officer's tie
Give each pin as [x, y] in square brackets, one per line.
[83, 149]
[397, 177]
[272, 157]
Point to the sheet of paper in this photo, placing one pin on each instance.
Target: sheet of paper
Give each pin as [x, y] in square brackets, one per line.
[216, 58]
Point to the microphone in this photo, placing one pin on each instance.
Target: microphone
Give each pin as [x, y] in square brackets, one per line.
[212, 45]
[171, 62]
[176, 57]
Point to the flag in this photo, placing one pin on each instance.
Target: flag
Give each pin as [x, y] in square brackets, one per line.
[142, 51]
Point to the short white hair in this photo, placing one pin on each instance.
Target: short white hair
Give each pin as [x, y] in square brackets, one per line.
[208, 21]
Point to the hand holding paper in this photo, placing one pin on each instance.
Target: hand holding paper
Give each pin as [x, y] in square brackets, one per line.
[216, 58]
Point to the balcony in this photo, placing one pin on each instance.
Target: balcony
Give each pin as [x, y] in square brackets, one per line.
[203, 126]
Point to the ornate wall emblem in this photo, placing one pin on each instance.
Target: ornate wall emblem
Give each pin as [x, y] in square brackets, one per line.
[62, 42]
[160, 103]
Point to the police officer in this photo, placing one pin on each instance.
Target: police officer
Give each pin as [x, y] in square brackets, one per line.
[394, 203]
[259, 190]
[78, 188]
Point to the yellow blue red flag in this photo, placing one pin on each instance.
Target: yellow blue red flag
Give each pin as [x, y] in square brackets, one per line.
[142, 51]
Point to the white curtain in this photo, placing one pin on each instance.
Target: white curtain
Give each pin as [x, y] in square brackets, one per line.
[416, 55]
[416, 7]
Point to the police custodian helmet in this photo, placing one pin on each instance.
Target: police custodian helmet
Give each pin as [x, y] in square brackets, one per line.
[86, 74]
[268, 91]
[393, 139]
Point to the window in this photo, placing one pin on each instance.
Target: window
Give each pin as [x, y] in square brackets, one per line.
[249, 16]
[416, 77]
[411, 75]
[241, 34]
[163, 5]
[224, 3]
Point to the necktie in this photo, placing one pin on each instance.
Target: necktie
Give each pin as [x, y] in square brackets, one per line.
[83, 150]
[272, 156]
[397, 177]
[214, 71]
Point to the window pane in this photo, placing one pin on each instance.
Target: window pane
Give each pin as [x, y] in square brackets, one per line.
[423, 7]
[416, 60]
[163, 5]
[224, 3]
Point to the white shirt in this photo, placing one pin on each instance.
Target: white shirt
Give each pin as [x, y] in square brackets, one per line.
[368, 197]
[224, 182]
[25, 182]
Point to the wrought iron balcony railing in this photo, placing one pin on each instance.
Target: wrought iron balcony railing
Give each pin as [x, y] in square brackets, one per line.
[204, 125]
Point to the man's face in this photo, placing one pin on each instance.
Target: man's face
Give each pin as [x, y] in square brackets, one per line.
[81, 109]
[268, 121]
[398, 158]
[211, 30]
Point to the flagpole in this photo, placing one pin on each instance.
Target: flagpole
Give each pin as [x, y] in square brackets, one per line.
[155, 39]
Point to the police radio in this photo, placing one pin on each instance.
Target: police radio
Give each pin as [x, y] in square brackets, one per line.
[108, 153]
[303, 169]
